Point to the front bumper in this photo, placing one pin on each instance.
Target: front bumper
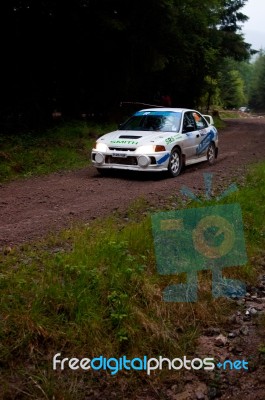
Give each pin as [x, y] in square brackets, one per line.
[131, 161]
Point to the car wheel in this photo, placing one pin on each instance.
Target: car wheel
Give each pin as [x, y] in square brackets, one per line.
[175, 163]
[211, 154]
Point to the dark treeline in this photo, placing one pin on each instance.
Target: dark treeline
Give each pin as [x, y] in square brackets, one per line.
[85, 56]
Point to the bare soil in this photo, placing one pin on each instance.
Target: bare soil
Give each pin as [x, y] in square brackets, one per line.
[32, 208]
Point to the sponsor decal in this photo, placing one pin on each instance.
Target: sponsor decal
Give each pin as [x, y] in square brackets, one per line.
[124, 142]
[172, 139]
[205, 143]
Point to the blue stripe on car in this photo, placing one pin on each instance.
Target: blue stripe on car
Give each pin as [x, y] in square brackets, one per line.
[163, 159]
[205, 142]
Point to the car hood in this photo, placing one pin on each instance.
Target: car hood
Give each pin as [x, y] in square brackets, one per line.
[131, 138]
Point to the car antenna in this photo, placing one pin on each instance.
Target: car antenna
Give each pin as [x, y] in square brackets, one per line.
[137, 102]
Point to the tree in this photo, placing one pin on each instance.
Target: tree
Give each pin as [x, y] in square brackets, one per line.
[232, 89]
[91, 54]
[257, 86]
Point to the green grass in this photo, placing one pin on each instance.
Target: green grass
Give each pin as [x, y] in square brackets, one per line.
[66, 146]
[229, 114]
[94, 289]
[219, 123]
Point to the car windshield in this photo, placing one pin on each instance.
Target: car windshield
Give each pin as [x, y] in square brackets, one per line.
[161, 121]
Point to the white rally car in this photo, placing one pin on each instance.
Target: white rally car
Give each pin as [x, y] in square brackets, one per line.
[158, 139]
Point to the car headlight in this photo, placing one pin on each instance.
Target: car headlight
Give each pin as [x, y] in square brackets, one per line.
[101, 147]
[150, 149]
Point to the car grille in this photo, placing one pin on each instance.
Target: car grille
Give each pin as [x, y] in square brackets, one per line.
[121, 160]
[131, 160]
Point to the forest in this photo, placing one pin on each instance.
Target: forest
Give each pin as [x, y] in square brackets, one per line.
[84, 57]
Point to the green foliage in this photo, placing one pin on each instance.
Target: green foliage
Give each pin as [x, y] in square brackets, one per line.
[257, 88]
[218, 122]
[167, 45]
[229, 114]
[212, 94]
[230, 15]
[234, 78]
[251, 198]
[232, 90]
[66, 146]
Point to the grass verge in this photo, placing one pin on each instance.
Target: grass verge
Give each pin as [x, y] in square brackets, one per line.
[66, 146]
[94, 290]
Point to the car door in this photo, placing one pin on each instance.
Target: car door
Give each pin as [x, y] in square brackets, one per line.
[205, 132]
[191, 135]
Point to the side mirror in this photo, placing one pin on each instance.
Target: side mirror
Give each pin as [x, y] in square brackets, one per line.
[209, 119]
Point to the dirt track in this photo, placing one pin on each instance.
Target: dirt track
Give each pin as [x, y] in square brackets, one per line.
[31, 208]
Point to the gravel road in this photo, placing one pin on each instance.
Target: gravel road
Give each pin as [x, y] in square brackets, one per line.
[32, 208]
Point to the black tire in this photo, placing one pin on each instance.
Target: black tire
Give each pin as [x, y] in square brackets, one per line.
[175, 163]
[211, 154]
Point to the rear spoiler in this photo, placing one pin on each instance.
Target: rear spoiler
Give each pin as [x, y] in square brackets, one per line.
[209, 119]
